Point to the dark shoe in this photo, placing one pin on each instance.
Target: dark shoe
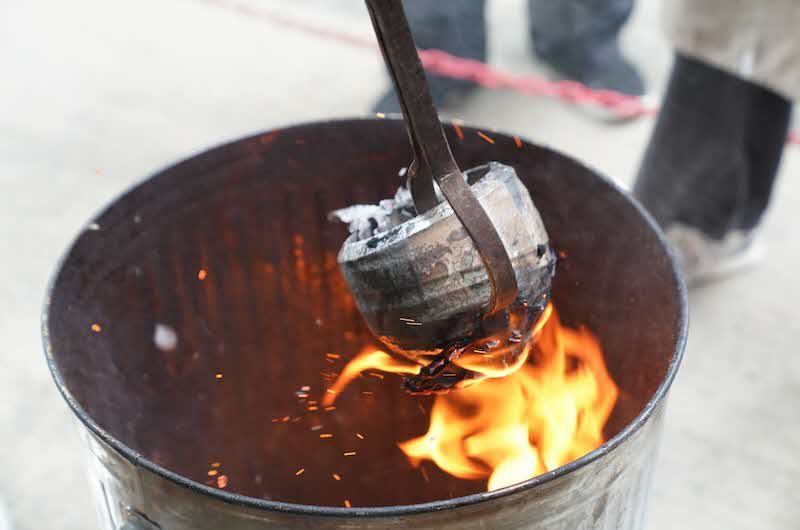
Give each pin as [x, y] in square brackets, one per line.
[599, 67]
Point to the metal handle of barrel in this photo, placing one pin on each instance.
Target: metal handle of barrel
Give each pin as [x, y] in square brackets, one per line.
[432, 156]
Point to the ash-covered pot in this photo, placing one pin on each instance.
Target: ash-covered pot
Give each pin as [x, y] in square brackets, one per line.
[252, 214]
[421, 285]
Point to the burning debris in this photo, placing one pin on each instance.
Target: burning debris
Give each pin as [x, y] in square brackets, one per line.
[547, 409]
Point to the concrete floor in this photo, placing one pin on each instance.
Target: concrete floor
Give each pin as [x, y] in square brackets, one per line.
[98, 94]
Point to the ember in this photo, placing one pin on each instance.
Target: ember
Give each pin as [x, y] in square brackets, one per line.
[485, 137]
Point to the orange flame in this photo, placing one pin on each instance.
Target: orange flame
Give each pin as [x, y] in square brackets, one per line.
[364, 361]
[519, 421]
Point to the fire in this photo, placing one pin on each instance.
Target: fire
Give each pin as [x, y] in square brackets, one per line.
[518, 422]
[364, 361]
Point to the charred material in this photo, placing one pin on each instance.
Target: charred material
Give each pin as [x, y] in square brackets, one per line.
[501, 337]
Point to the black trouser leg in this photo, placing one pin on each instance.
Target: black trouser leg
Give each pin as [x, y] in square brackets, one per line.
[558, 25]
[580, 38]
[455, 26]
[715, 150]
[768, 125]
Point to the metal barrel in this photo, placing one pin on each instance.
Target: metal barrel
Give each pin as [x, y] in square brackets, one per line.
[182, 321]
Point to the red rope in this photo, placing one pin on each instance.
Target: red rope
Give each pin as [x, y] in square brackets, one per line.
[445, 64]
[442, 63]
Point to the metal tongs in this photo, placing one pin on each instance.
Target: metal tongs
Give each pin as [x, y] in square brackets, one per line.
[433, 160]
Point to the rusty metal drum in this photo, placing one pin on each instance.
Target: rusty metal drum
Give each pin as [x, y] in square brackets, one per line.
[188, 313]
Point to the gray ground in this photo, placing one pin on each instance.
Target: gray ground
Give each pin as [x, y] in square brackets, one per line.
[96, 94]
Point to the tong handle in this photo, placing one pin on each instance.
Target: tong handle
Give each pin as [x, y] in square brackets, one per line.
[432, 156]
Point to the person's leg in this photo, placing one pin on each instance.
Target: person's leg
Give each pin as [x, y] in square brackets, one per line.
[694, 171]
[580, 39]
[714, 151]
[768, 125]
[455, 26]
[710, 164]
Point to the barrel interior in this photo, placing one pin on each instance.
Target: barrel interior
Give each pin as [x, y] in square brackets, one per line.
[253, 329]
